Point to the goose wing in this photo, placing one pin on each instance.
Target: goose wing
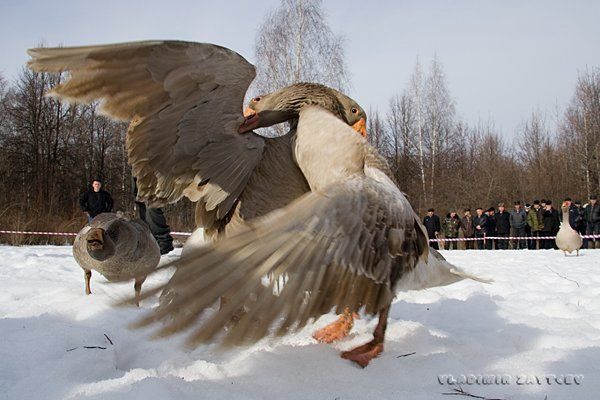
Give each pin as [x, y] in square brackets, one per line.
[346, 246]
[184, 103]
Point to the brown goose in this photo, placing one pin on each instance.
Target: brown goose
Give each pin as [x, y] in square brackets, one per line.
[118, 248]
[351, 243]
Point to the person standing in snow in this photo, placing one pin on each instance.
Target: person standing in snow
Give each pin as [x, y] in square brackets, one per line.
[466, 224]
[480, 222]
[535, 220]
[518, 219]
[95, 201]
[451, 226]
[491, 229]
[433, 226]
[551, 224]
[502, 226]
[591, 215]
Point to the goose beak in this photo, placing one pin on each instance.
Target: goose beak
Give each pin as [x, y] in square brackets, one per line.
[250, 121]
[361, 127]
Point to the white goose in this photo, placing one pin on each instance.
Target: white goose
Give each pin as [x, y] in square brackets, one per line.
[567, 239]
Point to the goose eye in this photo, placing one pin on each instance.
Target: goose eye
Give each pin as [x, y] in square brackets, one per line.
[256, 99]
[354, 111]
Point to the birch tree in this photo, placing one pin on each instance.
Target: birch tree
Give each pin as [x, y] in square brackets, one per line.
[295, 44]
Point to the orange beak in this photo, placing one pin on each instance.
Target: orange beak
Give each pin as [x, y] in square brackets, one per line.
[248, 112]
[361, 127]
[250, 122]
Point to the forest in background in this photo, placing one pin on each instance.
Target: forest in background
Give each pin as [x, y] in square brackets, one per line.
[50, 150]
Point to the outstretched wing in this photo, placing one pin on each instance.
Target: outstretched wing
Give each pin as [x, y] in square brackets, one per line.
[184, 101]
[344, 247]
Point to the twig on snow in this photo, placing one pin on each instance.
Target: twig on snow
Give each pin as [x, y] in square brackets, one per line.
[88, 347]
[564, 277]
[407, 354]
[461, 392]
[110, 341]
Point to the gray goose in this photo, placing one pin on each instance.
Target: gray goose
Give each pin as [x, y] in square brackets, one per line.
[350, 243]
[118, 248]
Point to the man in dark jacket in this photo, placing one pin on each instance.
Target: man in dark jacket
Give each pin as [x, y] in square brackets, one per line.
[451, 226]
[480, 222]
[535, 221]
[466, 224]
[95, 201]
[574, 216]
[517, 220]
[490, 229]
[551, 224]
[433, 225]
[591, 215]
[502, 226]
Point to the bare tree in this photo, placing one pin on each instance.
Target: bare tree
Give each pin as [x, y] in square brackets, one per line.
[295, 44]
[580, 131]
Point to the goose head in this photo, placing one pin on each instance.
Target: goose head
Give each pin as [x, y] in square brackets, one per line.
[565, 206]
[99, 245]
[285, 105]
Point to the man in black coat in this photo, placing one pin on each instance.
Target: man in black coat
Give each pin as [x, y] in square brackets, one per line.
[502, 218]
[490, 229]
[551, 225]
[480, 222]
[96, 200]
[433, 225]
[591, 215]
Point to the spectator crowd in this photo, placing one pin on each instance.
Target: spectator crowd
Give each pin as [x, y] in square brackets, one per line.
[527, 225]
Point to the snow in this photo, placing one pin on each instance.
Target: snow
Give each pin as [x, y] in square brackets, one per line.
[540, 317]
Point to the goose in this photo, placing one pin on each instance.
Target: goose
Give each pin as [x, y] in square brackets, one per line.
[567, 239]
[183, 101]
[350, 243]
[187, 138]
[117, 248]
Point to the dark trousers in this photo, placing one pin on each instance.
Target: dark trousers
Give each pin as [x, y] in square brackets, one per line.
[546, 243]
[536, 243]
[480, 244]
[519, 243]
[592, 243]
[155, 218]
[451, 244]
[502, 244]
[469, 244]
[489, 243]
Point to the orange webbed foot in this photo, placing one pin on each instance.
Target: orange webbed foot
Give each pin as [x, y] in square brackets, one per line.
[362, 355]
[336, 330]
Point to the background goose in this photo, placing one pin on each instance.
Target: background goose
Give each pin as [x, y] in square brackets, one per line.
[567, 239]
[351, 243]
[117, 248]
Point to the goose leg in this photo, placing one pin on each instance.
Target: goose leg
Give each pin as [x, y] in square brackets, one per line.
[87, 274]
[362, 355]
[577, 252]
[137, 286]
[336, 330]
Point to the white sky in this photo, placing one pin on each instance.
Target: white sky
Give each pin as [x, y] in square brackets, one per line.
[502, 59]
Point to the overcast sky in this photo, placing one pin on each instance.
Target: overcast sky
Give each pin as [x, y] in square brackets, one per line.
[502, 59]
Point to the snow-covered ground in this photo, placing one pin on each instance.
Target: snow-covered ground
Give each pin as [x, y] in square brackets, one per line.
[541, 317]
